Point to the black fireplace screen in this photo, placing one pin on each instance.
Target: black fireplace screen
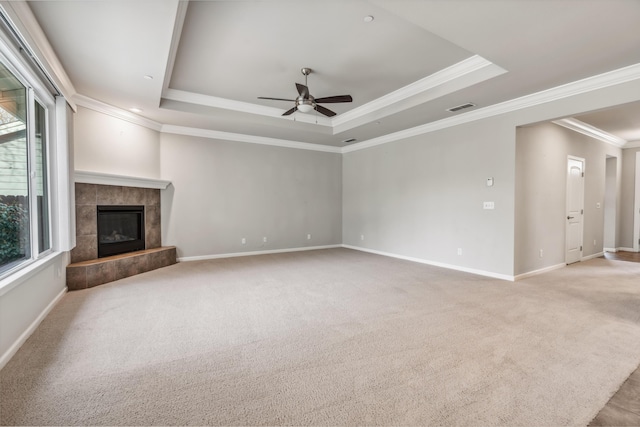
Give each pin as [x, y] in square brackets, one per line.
[120, 229]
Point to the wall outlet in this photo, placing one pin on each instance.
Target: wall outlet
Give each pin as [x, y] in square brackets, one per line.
[264, 239]
[594, 242]
[459, 251]
[541, 254]
[308, 236]
[244, 241]
[362, 237]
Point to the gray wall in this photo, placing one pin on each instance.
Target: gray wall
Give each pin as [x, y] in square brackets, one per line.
[627, 197]
[223, 191]
[423, 197]
[110, 145]
[541, 164]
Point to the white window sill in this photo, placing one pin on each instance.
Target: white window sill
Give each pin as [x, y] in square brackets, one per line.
[26, 272]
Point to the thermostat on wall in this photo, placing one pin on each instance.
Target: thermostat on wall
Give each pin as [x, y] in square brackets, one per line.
[490, 182]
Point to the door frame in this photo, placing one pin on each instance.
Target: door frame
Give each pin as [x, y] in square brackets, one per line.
[566, 208]
[636, 207]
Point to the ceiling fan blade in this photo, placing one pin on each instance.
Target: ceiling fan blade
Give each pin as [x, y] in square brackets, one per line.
[325, 111]
[288, 112]
[302, 90]
[277, 99]
[333, 99]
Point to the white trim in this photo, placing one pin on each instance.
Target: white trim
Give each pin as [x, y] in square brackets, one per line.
[463, 74]
[252, 139]
[632, 144]
[591, 131]
[110, 110]
[540, 271]
[610, 250]
[86, 177]
[600, 81]
[26, 334]
[588, 257]
[611, 78]
[240, 254]
[636, 206]
[178, 23]
[566, 225]
[435, 263]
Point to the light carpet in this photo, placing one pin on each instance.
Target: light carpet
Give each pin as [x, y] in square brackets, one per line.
[330, 337]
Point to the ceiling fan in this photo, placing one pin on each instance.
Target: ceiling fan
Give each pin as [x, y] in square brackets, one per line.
[306, 103]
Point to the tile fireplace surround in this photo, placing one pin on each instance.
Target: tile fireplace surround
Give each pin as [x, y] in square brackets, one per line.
[86, 270]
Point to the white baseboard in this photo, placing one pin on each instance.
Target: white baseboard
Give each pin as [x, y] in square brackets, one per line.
[26, 334]
[435, 263]
[610, 249]
[588, 257]
[540, 271]
[238, 254]
[627, 249]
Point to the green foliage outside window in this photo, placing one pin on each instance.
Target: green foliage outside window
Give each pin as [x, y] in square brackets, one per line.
[14, 220]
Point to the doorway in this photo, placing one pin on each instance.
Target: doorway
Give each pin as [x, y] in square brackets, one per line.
[575, 209]
[610, 242]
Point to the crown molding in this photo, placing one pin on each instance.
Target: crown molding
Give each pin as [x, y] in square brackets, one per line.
[119, 113]
[632, 144]
[468, 72]
[465, 73]
[589, 84]
[591, 131]
[86, 177]
[240, 106]
[252, 139]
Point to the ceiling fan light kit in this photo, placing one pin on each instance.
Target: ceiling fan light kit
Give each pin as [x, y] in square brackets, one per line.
[305, 103]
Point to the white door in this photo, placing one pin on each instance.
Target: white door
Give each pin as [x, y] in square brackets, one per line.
[575, 209]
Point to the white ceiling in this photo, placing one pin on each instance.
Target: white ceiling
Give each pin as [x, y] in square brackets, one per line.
[210, 60]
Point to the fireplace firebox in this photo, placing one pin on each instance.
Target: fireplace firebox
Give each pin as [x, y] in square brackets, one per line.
[120, 230]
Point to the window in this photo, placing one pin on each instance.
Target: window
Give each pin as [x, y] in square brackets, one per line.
[24, 193]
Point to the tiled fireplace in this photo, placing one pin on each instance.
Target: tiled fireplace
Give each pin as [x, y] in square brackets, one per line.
[86, 268]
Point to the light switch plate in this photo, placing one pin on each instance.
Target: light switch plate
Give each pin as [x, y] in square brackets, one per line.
[488, 205]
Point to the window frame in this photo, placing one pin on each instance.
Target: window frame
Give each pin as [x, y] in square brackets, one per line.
[35, 92]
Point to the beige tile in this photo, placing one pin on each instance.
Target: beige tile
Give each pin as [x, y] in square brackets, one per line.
[86, 220]
[76, 278]
[130, 266]
[162, 258]
[86, 248]
[134, 196]
[99, 274]
[153, 197]
[86, 194]
[153, 238]
[109, 195]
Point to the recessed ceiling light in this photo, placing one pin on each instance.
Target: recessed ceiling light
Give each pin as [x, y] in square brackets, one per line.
[368, 18]
[135, 110]
[148, 77]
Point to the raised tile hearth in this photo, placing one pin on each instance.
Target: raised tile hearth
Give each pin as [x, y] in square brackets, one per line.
[87, 274]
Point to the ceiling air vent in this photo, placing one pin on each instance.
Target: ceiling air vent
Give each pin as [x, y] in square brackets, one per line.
[348, 141]
[461, 107]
